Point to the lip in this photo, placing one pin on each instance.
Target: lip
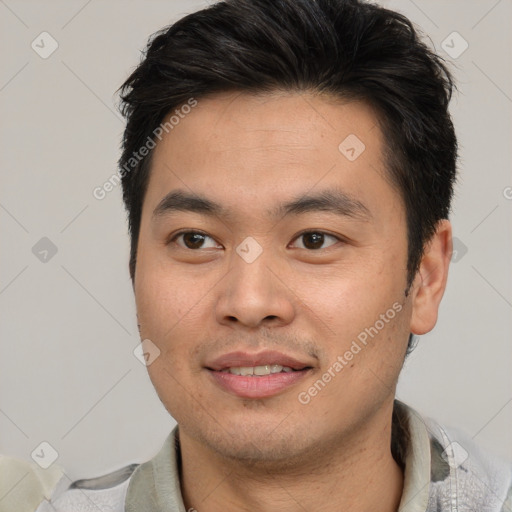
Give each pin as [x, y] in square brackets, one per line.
[258, 386]
[234, 359]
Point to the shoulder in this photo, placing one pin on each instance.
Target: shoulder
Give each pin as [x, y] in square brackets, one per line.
[465, 476]
[23, 485]
[106, 492]
[111, 491]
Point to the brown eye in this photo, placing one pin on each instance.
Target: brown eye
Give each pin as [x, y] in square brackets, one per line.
[194, 240]
[314, 240]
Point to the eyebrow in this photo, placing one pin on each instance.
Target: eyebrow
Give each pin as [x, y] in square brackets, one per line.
[187, 202]
[332, 200]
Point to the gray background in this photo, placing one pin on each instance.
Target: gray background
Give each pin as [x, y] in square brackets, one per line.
[68, 375]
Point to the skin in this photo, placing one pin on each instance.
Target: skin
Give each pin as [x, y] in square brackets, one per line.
[250, 153]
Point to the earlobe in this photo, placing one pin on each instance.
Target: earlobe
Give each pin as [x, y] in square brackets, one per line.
[430, 281]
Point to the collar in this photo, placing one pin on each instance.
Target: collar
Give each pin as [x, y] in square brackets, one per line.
[155, 484]
[416, 442]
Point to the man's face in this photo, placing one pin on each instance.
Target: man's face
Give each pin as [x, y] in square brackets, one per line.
[257, 283]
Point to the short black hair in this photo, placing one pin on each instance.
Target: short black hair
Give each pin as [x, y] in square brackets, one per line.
[350, 49]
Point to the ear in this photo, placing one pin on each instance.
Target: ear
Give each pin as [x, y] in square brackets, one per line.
[430, 280]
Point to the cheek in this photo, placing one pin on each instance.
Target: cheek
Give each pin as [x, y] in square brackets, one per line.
[157, 307]
[165, 299]
[349, 299]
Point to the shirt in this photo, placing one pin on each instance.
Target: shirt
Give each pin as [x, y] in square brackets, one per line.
[444, 471]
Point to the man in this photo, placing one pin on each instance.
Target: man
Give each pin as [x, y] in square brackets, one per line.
[288, 169]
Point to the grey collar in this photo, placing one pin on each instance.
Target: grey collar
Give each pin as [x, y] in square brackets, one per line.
[155, 485]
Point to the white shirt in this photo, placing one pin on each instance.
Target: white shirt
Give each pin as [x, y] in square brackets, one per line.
[445, 471]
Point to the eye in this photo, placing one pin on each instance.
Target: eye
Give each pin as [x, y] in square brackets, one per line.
[194, 240]
[314, 240]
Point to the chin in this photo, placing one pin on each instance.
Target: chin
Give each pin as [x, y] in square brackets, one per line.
[256, 444]
[259, 453]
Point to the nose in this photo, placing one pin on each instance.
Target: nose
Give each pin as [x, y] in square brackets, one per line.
[255, 294]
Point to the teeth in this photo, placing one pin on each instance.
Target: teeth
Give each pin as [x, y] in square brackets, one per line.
[257, 371]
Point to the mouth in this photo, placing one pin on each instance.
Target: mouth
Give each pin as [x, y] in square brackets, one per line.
[257, 375]
[258, 371]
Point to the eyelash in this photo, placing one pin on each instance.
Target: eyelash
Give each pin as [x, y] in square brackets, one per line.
[175, 236]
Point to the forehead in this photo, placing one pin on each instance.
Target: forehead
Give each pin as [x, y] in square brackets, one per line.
[233, 121]
[242, 148]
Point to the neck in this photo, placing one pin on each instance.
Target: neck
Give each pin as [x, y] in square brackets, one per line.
[357, 474]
